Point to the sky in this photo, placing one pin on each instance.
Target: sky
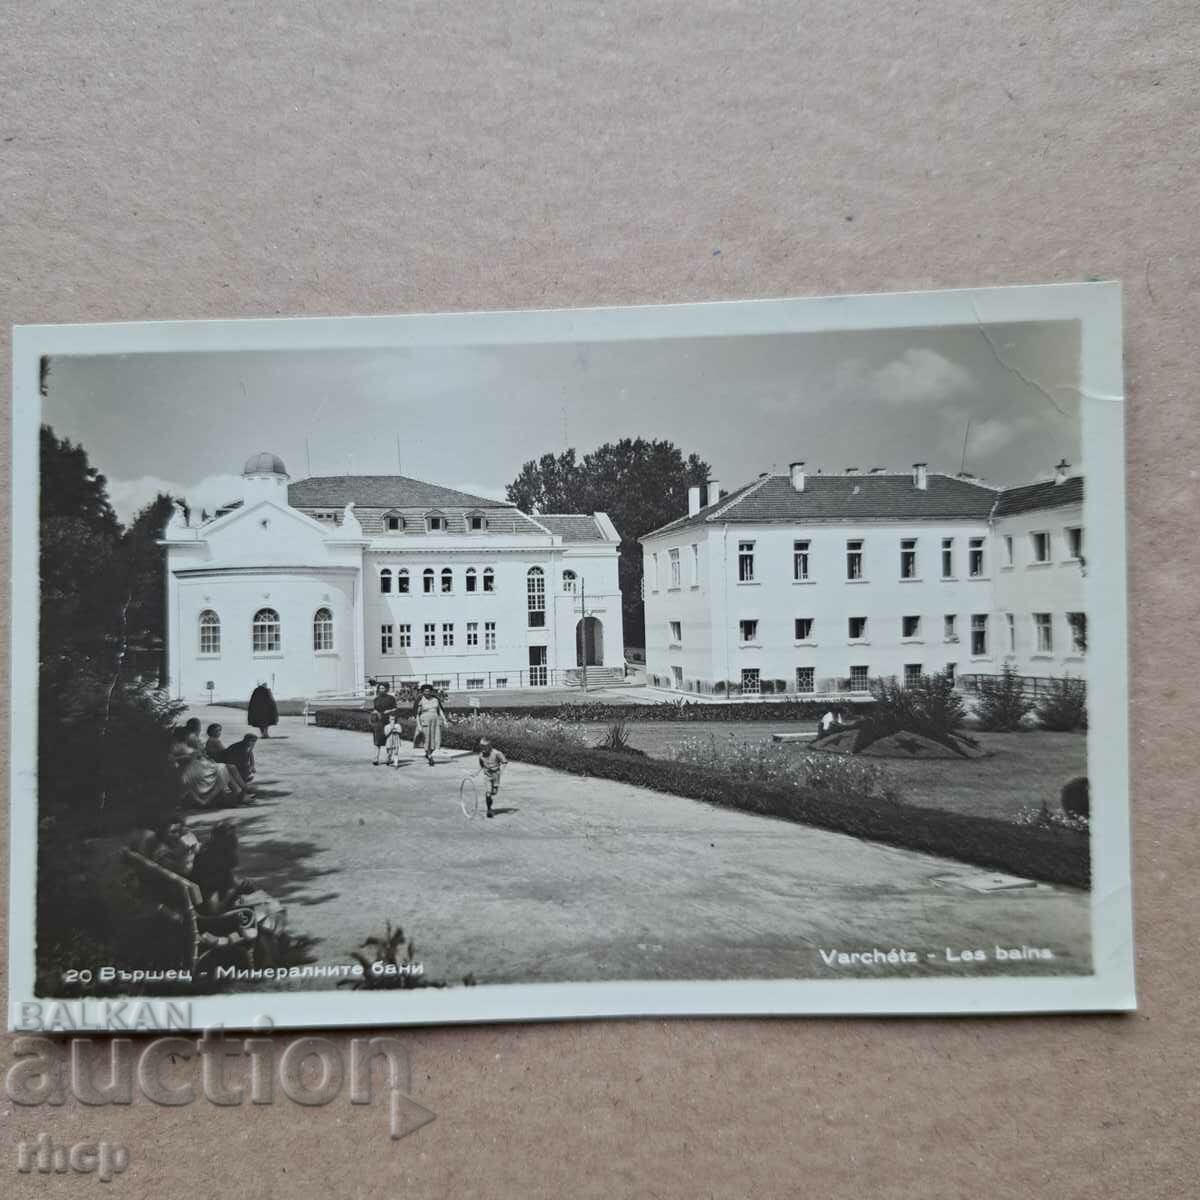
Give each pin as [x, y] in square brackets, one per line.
[1000, 401]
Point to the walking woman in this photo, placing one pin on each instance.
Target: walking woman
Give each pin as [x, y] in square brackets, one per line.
[431, 716]
[262, 713]
[382, 707]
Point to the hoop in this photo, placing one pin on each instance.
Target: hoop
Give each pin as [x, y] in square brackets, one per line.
[468, 795]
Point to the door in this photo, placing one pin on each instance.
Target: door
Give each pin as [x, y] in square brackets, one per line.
[537, 666]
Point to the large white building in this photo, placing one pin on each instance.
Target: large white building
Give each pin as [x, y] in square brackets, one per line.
[816, 583]
[317, 586]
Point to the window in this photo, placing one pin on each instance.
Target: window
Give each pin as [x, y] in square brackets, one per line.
[947, 558]
[950, 627]
[804, 628]
[910, 627]
[441, 685]
[385, 639]
[393, 523]
[405, 636]
[854, 560]
[427, 581]
[675, 574]
[857, 628]
[748, 630]
[1008, 550]
[472, 580]
[1077, 623]
[489, 579]
[676, 631]
[979, 640]
[477, 522]
[535, 587]
[502, 681]
[951, 672]
[806, 679]
[402, 581]
[975, 557]
[912, 674]
[322, 630]
[266, 639]
[908, 558]
[430, 634]
[489, 635]
[474, 683]
[1074, 541]
[860, 679]
[385, 580]
[800, 561]
[210, 632]
[695, 564]
[448, 634]
[750, 681]
[325, 516]
[654, 571]
[745, 562]
[1044, 630]
[447, 581]
[435, 522]
[472, 633]
[1011, 622]
[569, 581]
[1041, 546]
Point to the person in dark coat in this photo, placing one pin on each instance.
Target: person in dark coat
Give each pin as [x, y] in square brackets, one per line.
[262, 713]
[383, 705]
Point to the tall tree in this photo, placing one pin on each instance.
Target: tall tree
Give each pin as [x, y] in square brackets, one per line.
[641, 484]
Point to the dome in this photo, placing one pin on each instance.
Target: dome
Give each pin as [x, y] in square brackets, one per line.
[264, 463]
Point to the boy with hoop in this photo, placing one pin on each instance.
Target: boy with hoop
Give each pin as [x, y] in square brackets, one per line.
[491, 763]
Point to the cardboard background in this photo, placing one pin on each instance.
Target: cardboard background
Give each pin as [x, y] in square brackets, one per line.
[224, 160]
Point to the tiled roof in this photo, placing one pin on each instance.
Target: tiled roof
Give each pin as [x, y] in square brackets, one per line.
[573, 527]
[381, 491]
[845, 497]
[1040, 495]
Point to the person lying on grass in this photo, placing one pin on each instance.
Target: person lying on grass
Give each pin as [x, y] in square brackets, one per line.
[491, 763]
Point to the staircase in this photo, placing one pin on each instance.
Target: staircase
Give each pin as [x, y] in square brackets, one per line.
[596, 677]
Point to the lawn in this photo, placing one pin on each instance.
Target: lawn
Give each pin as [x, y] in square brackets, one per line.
[1022, 769]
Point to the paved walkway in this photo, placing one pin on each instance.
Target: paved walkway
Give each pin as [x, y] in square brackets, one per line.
[584, 879]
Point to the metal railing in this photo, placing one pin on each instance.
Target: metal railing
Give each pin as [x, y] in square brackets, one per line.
[1032, 686]
[484, 681]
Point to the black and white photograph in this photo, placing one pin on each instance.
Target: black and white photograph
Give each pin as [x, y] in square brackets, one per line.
[758, 657]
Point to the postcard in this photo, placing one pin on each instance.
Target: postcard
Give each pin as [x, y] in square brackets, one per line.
[759, 657]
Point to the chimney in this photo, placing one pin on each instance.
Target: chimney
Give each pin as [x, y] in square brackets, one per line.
[796, 470]
[851, 470]
[920, 477]
[693, 501]
[1062, 471]
[714, 491]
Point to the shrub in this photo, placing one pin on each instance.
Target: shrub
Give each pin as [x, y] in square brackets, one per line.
[1075, 798]
[388, 962]
[617, 737]
[1064, 708]
[719, 687]
[1003, 704]
[1045, 818]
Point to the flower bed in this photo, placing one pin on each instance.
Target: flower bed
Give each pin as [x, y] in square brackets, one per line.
[1052, 854]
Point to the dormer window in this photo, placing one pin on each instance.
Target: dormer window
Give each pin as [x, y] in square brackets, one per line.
[435, 522]
[393, 522]
[476, 522]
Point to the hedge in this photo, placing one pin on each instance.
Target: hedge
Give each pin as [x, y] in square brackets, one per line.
[1053, 855]
[672, 710]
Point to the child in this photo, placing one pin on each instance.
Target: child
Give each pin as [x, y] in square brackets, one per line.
[491, 763]
[214, 747]
[392, 736]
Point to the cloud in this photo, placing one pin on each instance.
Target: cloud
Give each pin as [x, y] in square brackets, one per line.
[920, 376]
[129, 495]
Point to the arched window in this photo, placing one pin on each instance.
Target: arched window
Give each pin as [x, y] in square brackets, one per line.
[402, 581]
[266, 632]
[472, 580]
[210, 632]
[489, 579]
[536, 591]
[568, 581]
[323, 629]
[393, 522]
[447, 580]
[385, 580]
[427, 581]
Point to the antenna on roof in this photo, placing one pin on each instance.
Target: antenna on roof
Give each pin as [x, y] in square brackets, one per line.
[308, 457]
[963, 465]
[399, 468]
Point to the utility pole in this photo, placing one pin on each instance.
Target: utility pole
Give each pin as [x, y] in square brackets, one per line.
[583, 630]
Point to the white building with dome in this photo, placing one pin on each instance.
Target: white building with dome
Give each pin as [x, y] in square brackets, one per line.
[317, 586]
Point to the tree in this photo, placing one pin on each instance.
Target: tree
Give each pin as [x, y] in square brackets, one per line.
[640, 484]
